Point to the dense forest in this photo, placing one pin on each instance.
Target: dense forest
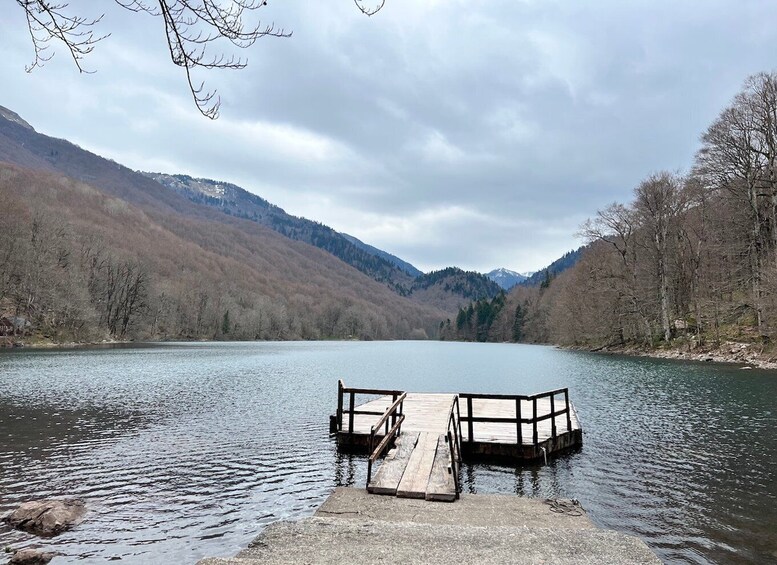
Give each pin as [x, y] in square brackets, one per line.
[690, 261]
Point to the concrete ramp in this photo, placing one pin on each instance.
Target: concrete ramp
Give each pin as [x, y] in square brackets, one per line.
[354, 527]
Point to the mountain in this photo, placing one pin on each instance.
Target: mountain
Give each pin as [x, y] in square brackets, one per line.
[557, 267]
[447, 289]
[14, 117]
[506, 278]
[93, 250]
[451, 288]
[504, 317]
[236, 201]
[396, 261]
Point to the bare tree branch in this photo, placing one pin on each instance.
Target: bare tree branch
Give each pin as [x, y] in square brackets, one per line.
[48, 20]
[191, 28]
[369, 11]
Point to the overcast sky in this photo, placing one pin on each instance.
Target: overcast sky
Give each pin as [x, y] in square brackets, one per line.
[478, 134]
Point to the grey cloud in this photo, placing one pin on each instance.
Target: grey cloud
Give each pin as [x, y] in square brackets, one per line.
[498, 125]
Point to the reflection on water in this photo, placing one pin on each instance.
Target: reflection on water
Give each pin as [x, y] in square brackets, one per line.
[182, 451]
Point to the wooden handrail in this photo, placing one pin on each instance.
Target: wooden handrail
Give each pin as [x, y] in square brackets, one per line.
[454, 442]
[378, 451]
[391, 410]
[379, 391]
[351, 409]
[453, 419]
[489, 396]
[454, 463]
[395, 413]
[512, 419]
[519, 418]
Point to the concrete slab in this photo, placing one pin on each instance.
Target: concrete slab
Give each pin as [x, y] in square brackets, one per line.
[355, 527]
[335, 541]
[471, 509]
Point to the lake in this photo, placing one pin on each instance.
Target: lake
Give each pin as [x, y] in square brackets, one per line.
[188, 450]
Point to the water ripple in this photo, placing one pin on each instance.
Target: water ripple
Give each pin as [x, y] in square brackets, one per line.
[185, 451]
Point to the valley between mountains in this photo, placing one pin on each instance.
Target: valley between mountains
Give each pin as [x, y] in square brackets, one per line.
[96, 251]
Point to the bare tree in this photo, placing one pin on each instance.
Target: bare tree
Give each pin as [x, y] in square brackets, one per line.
[192, 29]
[738, 156]
[617, 225]
[660, 202]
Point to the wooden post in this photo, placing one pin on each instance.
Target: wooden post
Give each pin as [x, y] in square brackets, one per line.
[454, 466]
[339, 415]
[393, 414]
[569, 410]
[470, 432]
[553, 416]
[350, 413]
[458, 423]
[518, 421]
[534, 420]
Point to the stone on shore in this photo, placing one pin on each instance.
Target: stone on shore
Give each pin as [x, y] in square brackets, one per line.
[46, 517]
[31, 557]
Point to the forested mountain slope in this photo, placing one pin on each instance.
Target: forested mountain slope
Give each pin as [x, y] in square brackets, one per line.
[447, 289]
[236, 201]
[543, 276]
[94, 250]
[450, 288]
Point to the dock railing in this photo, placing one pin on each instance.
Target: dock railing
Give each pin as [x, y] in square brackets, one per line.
[520, 418]
[351, 411]
[393, 412]
[453, 437]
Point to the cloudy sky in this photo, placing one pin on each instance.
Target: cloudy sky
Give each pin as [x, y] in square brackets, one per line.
[478, 133]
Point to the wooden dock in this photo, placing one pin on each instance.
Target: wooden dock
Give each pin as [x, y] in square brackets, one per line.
[422, 438]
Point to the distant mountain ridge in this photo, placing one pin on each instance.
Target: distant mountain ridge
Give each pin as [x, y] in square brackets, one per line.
[236, 201]
[447, 289]
[12, 116]
[451, 288]
[506, 278]
[557, 267]
[404, 265]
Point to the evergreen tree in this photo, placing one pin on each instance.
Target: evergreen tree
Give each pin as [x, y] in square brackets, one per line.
[518, 322]
[225, 323]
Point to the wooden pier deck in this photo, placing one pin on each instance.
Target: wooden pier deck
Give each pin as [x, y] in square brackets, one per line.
[425, 436]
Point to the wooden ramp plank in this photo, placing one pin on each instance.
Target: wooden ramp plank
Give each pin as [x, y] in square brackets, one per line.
[416, 476]
[441, 485]
[386, 480]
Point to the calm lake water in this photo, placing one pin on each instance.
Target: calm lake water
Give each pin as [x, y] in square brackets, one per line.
[188, 450]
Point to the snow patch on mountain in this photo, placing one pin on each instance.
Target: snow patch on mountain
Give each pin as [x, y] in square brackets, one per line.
[506, 278]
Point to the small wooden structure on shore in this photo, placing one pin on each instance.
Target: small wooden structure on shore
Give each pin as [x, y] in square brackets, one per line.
[432, 433]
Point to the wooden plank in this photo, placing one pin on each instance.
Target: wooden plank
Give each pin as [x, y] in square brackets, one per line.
[441, 485]
[386, 480]
[416, 476]
[424, 412]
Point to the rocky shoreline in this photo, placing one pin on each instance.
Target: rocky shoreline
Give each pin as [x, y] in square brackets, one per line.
[43, 518]
[749, 355]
